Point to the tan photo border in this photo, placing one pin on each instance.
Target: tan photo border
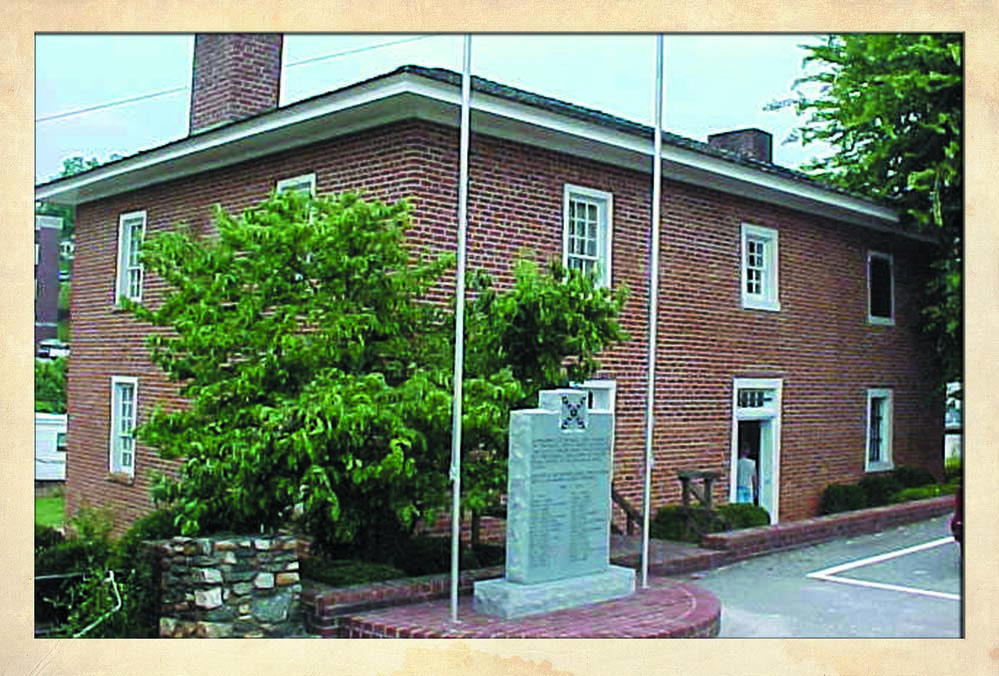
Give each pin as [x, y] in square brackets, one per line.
[978, 653]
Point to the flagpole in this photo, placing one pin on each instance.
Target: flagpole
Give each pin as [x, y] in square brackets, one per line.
[459, 324]
[653, 307]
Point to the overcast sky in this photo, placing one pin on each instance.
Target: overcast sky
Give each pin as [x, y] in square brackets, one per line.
[713, 82]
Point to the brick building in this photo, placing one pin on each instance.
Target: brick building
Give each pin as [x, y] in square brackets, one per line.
[788, 310]
[48, 233]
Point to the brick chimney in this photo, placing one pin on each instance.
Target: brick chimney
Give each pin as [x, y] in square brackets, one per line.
[752, 143]
[235, 75]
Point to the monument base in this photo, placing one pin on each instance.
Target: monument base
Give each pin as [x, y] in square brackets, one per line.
[507, 599]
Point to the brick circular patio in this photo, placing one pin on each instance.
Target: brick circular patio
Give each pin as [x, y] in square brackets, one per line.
[666, 609]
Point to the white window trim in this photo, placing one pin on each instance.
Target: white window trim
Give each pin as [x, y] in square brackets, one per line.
[609, 385]
[771, 412]
[294, 182]
[121, 269]
[888, 431]
[770, 298]
[871, 319]
[113, 465]
[604, 243]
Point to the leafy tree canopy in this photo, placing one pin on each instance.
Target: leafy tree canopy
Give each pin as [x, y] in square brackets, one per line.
[891, 105]
[50, 385]
[318, 372]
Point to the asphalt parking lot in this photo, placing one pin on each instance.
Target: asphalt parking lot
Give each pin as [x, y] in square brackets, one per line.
[902, 583]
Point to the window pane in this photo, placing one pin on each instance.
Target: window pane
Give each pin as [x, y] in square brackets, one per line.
[877, 427]
[755, 266]
[880, 282]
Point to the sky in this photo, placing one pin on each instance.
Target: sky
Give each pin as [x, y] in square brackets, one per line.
[713, 83]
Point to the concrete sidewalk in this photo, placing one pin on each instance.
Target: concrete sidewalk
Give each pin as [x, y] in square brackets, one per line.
[718, 549]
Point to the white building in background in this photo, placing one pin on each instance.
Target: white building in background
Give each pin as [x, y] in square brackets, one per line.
[50, 448]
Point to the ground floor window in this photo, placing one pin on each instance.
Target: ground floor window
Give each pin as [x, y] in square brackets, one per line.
[879, 430]
[124, 407]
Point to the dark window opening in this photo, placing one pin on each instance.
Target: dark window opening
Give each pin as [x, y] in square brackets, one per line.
[881, 287]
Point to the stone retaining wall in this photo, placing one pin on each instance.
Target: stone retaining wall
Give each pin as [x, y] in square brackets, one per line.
[235, 586]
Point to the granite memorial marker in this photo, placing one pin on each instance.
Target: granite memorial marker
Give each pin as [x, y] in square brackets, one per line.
[558, 511]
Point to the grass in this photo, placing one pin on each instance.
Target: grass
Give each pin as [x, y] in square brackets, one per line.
[49, 510]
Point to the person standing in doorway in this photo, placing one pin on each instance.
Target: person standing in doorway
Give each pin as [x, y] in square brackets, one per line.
[745, 478]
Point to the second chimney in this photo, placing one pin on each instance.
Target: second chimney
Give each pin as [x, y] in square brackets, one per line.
[235, 76]
[752, 143]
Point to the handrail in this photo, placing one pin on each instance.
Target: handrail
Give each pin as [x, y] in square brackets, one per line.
[633, 515]
[114, 588]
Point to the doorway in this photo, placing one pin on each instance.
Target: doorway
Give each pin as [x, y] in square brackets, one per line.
[756, 426]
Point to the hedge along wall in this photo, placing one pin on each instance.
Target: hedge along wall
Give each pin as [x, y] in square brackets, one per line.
[235, 586]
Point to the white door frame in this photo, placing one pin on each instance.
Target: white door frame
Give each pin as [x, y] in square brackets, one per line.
[769, 412]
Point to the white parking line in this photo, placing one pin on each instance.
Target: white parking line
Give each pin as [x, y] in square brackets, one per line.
[829, 574]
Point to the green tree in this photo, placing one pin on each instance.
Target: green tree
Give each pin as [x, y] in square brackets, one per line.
[891, 106]
[318, 373]
[547, 330]
[313, 374]
[50, 385]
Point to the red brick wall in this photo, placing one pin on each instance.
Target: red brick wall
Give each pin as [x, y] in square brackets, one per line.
[235, 75]
[819, 343]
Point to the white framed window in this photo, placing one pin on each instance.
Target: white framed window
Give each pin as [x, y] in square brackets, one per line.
[587, 231]
[124, 416]
[128, 281]
[880, 288]
[305, 183]
[879, 430]
[760, 263]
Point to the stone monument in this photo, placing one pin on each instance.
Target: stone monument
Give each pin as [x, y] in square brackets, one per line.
[558, 511]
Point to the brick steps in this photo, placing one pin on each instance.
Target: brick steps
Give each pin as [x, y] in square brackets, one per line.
[667, 609]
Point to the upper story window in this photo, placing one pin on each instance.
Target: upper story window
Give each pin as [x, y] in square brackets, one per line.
[128, 281]
[586, 236]
[305, 183]
[124, 413]
[879, 430]
[759, 268]
[880, 288]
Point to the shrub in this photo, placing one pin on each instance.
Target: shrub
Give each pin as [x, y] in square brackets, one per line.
[143, 572]
[842, 498]
[425, 555]
[347, 572]
[684, 524]
[70, 605]
[739, 515]
[71, 556]
[47, 537]
[92, 523]
[157, 525]
[926, 492]
[879, 489]
[55, 598]
[913, 477]
[490, 555]
[953, 469]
